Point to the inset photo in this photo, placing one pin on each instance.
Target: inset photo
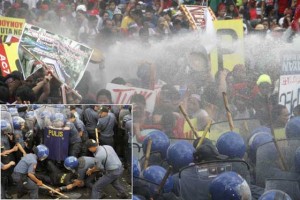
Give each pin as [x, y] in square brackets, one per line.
[66, 151]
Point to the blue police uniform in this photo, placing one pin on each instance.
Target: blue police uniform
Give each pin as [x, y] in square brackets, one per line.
[113, 168]
[90, 117]
[106, 125]
[26, 165]
[81, 127]
[74, 140]
[85, 163]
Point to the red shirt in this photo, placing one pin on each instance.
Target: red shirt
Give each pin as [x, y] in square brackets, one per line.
[282, 5]
[295, 23]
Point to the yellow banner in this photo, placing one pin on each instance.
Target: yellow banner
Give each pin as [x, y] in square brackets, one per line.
[230, 50]
[10, 26]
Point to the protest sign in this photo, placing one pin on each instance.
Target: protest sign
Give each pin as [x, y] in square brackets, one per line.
[198, 15]
[230, 50]
[10, 26]
[8, 58]
[57, 140]
[10, 31]
[289, 89]
[122, 94]
[65, 58]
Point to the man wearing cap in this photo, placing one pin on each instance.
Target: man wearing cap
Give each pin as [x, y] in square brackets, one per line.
[105, 125]
[108, 161]
[265, 89]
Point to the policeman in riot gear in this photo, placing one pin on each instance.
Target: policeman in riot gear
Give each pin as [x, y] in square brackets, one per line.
[78, 167]
[229, 185]
[188, 182]
[19, 125]
[24, 172]
[74, 139]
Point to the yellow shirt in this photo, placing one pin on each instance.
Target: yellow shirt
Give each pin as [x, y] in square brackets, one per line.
[125, 22]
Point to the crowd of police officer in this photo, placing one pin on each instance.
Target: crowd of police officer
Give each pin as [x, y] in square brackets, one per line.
[234, 166]
[91, 161]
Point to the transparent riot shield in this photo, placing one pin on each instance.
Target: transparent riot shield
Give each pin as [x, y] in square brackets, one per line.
[147, 187]
[137, 150]
[5, 115]
[43, 116]
[242, 126]
[195, 179]
[268, 163]
[291, 187]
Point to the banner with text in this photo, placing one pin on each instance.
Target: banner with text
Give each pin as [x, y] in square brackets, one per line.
[230, 49]
[65, 58]
[57, 140]
[289, 89]
[10, 26]
[122, 95]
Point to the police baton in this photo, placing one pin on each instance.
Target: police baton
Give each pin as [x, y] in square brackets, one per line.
[188, 120]
[281, 158]
[229, 116]
[148, 150]
[204, 134]
[164, 180]
[51, 189]
[97, 136]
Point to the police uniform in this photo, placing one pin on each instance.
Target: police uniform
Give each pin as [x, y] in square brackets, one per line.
[26, 165]
[106, 125]
[90, 117]
[81, 127]
[56, 176]
[85, 163]
[74, 140]
[107, 159]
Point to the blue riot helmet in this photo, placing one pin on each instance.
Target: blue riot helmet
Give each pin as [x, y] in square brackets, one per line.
[42, 152]
[261, 129]
[29, 115]
[229, 186]
[297, 159]
[256, 140]
[292, 128]
[160, 142]
[13, 111]
[58, 120]
[274, 195]
[155, 174]
[180, 154]
[134, 197]
[231, 144]
[35, 106]
[18, 122]
[71, 163]
[136, 168]
[5, 127]
[45, 114]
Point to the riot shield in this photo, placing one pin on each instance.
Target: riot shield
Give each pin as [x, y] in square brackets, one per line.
[137, 150]
[148, 188]
[242, 126]
[43, 116]
[195, 179]
[268, 164]
[5, 115]
[291, 187]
